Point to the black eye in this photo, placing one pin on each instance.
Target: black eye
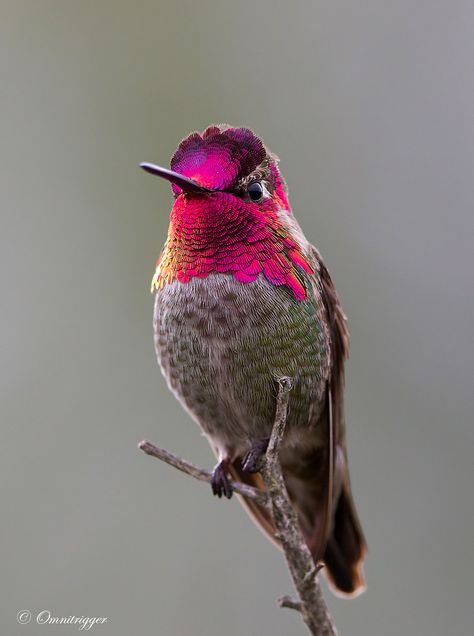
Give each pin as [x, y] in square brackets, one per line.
[255, 191]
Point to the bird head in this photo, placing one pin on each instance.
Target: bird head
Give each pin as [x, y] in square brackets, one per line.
[228, 214]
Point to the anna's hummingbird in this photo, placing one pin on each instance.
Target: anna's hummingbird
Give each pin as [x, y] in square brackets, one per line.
[241, 299]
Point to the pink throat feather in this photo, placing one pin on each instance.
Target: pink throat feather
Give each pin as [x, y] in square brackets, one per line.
[215, 233]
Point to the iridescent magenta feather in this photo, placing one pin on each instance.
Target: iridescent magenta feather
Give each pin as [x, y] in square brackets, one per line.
[219, 157]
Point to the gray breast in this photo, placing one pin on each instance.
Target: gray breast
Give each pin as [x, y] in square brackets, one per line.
[221, 344]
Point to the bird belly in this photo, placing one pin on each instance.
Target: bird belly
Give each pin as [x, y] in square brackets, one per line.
[222, 344]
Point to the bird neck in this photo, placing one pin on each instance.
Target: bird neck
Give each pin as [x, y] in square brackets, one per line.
[221, 233]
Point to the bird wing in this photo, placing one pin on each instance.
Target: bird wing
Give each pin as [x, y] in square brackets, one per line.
[343, 548]
[333, 414]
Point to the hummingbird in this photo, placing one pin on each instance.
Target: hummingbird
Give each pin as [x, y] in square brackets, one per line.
[241, 300]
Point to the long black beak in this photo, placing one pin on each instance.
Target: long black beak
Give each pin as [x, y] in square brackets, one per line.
[188, 185]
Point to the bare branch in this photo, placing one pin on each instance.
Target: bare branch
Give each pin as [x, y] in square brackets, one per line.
[303, 570]
[199, 473]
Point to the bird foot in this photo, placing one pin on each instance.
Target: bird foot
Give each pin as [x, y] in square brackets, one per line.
[253, 461]
[220, 482]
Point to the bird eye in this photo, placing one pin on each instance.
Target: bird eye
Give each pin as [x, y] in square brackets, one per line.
[255, 191]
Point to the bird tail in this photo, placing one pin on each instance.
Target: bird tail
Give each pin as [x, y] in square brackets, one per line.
[345, 548]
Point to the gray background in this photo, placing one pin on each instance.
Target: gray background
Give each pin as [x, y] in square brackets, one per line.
[369, 105]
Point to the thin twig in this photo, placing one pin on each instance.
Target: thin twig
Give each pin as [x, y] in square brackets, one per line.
[199, 473]
[300, 562]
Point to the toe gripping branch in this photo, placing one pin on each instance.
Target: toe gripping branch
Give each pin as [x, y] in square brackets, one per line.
[220, 482]
[252, 463]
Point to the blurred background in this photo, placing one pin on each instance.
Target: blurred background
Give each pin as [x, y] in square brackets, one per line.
[370, 107]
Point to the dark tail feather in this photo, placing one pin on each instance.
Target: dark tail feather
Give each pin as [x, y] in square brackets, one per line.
[346, 549]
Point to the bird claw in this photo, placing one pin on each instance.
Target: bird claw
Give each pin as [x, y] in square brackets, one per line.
[220, 482]
[253, 461]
